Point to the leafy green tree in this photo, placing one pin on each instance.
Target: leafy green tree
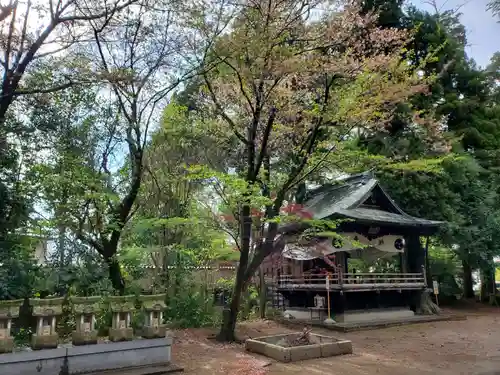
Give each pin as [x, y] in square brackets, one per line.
[464, 193]
[18, 268]
[63, 23]
[171, 223]
[494, 6]
[24, 49]
[289, 92]
[461, 196]
[104, 159]
[390, 12]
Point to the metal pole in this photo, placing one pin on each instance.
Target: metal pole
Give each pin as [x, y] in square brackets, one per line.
[328, 294]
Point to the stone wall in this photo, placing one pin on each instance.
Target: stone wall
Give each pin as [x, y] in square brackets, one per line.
[208, 275]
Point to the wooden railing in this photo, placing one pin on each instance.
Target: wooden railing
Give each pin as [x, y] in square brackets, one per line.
[351, 280]
[382, 278]
[308, 279]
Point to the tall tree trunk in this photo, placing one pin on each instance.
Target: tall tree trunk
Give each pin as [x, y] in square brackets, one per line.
[230, 315]
[262, 294]
[115, 275]
[487, 282]
[467, 276]
[61, 244]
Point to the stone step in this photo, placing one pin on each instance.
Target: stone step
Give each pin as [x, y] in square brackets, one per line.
[142, 370]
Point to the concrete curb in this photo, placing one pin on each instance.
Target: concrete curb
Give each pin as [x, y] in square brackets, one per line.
[87, 359]
[351, 327]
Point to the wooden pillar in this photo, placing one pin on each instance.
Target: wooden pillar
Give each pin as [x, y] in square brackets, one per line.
[428, 277]
[415, 254]
[403, 261]
[343, 303]
[416, 263]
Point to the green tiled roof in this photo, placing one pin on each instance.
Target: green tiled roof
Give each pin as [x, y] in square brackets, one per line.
[346, 198]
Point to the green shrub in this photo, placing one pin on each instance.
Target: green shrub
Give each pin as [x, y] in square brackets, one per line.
[191, 308]
[444, 267]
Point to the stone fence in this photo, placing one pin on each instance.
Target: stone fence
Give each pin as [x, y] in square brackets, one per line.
[71, 360]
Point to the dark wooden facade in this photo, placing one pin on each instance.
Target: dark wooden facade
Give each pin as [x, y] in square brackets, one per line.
[374, 215]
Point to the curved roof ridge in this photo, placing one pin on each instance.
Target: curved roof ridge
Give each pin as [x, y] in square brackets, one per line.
[345, 196]
[341, 182]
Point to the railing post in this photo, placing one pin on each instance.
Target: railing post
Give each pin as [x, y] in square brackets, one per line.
[424, 273]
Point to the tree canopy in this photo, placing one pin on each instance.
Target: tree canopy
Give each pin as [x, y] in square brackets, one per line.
[139, 135]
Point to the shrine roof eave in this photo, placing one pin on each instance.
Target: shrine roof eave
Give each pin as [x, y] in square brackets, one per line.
[370, 216]
[422, 226]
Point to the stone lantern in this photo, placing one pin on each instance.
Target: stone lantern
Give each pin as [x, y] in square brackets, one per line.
[85, 309]
[8, 311]
[153, 307]
[46, 311]
[121, 308]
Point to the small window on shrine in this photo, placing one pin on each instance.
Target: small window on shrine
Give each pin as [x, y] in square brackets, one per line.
[47, 321]
[87, 318]
[3, 324]
[156, 315]
[123, 316]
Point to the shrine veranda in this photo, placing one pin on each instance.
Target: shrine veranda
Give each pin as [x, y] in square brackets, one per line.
[371, 217]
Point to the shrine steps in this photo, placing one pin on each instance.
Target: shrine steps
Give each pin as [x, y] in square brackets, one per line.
[369, 325]
[374, 315]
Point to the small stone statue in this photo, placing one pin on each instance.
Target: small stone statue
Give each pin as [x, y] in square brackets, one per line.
[319, 302]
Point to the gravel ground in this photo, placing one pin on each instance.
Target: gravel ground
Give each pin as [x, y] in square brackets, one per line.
[442, 348]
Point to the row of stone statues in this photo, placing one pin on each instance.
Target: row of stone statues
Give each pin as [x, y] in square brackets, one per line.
[85, 308]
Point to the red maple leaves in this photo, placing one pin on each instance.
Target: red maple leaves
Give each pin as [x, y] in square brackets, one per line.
[293, 209]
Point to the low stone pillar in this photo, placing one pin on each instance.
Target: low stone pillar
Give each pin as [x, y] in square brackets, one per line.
[121, 309]
[85, 309]
[8, 311]
[153, 307]
[46, 311]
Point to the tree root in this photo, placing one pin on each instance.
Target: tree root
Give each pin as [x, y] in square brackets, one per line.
[427, 305]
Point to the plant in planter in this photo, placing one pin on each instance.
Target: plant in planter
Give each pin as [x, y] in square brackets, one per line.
[85, 309]
[153, 307]
[121, 308]
[46, 311]
[8, 311]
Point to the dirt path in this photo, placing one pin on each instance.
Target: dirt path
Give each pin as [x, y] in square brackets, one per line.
[444, 348]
